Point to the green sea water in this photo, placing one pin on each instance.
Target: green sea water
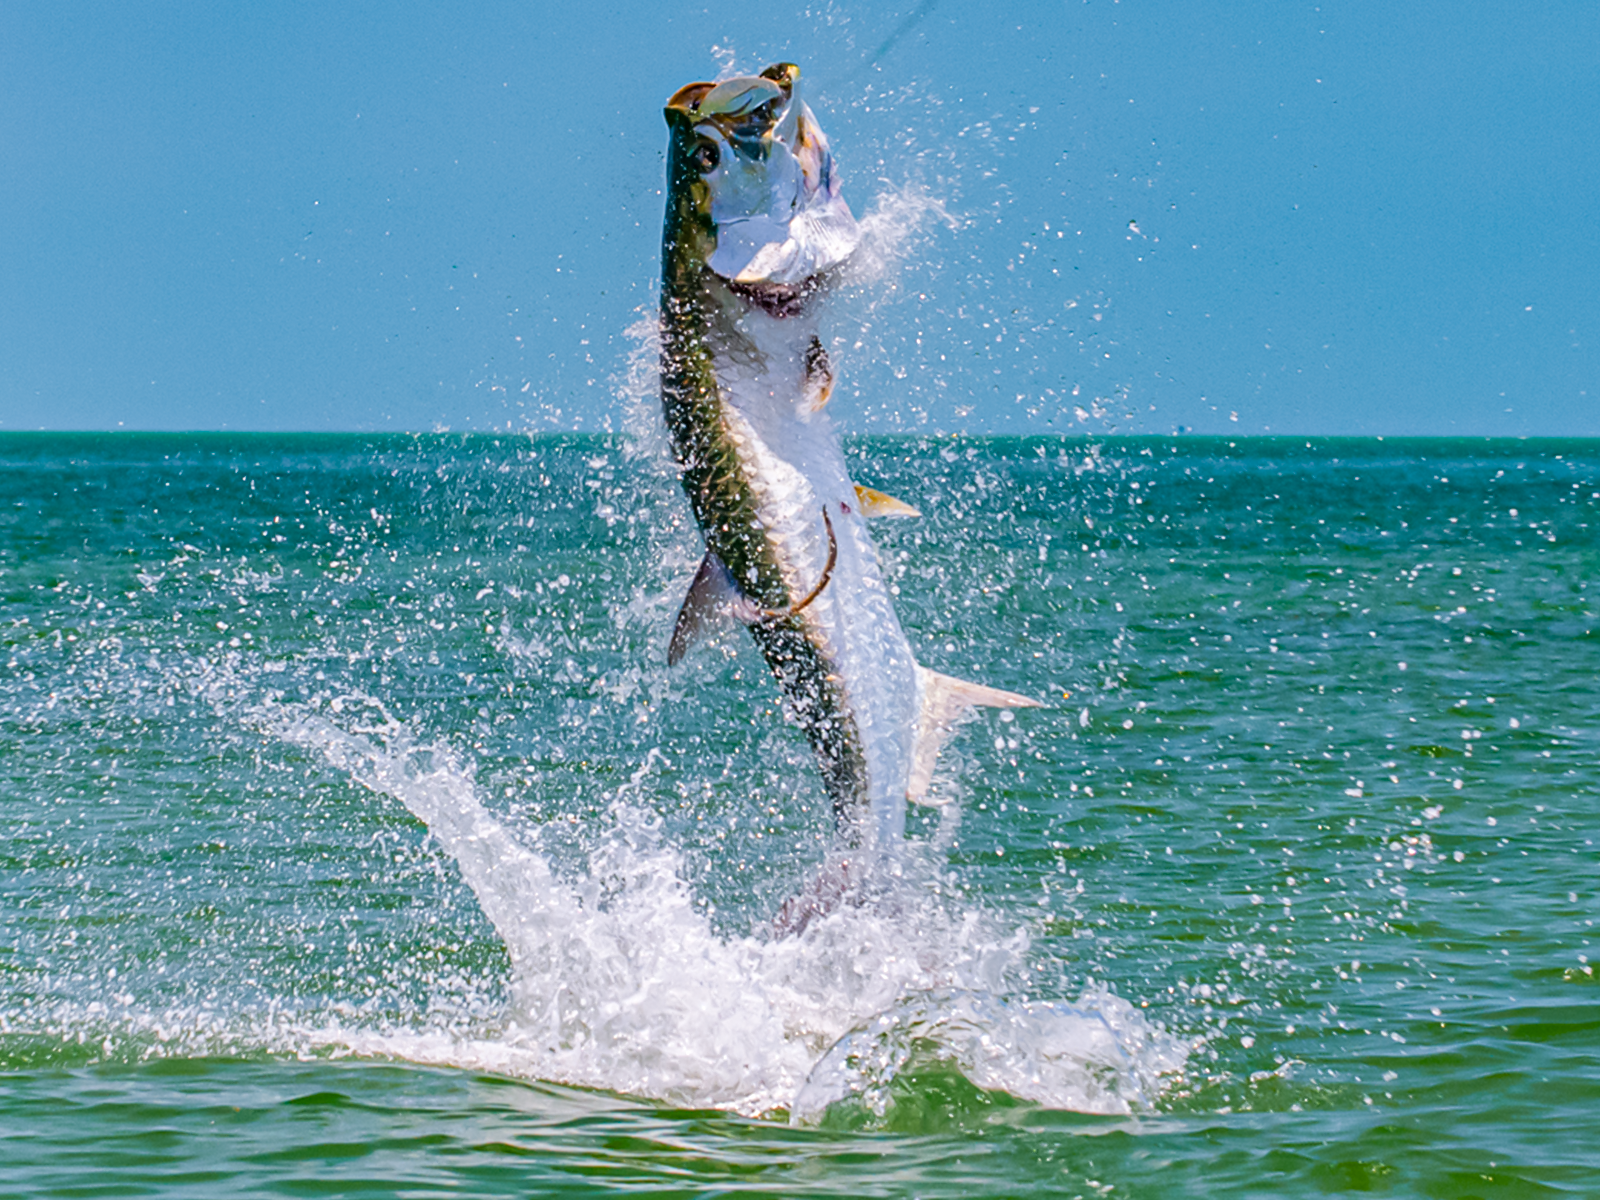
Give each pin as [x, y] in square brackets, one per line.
[355, 838]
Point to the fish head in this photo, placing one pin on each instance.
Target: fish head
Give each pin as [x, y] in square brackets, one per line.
[751, 166]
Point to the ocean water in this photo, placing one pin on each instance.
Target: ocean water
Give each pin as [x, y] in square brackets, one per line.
[355, 838]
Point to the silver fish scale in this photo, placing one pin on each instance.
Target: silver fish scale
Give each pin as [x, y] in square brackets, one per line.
[791, 458]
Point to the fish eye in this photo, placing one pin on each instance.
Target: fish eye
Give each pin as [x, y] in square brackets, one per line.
[706, 157]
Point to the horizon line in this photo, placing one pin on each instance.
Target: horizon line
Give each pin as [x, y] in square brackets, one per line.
[928, 435]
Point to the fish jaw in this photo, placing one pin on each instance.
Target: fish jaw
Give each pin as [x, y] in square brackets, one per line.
[754, 173]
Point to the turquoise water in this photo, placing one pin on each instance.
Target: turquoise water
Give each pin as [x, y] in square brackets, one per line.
[357, 840]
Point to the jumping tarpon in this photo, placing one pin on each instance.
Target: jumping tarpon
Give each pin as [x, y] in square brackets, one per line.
[755, 227]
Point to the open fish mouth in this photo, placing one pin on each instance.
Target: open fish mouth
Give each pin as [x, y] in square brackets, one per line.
[772, 198]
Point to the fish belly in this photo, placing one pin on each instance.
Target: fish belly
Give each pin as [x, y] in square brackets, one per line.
[794, 467]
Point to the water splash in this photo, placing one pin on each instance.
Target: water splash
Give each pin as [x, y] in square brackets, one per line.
[1053, 1054]
[505, 707]
[638, 386]
[621, 982]
[899, 221]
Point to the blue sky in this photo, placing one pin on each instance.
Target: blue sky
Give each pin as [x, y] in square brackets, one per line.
[1365, 218]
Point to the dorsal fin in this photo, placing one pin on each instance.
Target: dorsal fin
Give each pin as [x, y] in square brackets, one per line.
[944, 700]
[874, 503]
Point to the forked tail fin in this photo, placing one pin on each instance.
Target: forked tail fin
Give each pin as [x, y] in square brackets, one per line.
[944, 699]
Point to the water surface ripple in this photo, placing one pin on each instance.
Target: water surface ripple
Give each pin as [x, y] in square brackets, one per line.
[354, 837]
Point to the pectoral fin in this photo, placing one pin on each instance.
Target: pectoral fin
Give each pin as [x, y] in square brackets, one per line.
[876, 504]
[819, 377]
[714, 599]
[944, 700]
